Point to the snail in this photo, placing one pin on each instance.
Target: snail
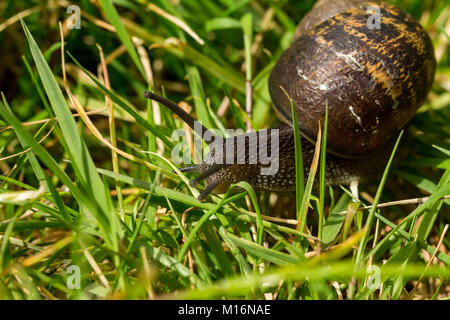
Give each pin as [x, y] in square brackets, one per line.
[372, 77]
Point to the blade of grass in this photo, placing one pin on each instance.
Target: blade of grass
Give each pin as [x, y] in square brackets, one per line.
[428, 219]
[41, 152]
[259, 222]
[370, 217]
[237, 286]
[177, 21]
[5, 240]
[114, 18]
[130, 110]
[222, 23]
[309, 183]
[198, 95]
[141, 218]
[243, 264]
[276, 257]
[443, 150]
[299, 171]
[194, 202]
[335, 221]
[323, 153]
[203, 220]
[81, 161]
[222, 72]
[247, 27]
[173, 264]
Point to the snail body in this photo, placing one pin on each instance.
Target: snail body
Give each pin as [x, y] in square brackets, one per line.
[372, 80]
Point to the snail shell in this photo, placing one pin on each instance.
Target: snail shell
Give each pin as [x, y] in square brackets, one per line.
[373, 79]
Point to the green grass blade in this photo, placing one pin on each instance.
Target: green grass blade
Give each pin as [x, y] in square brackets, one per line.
[81, 160]
[266, 254]
[259, 222]
[299, 171]
[202, 221]
[198, 94]
[323, 152]
[335, 221]
[140, 120]
[370, 218]
[114, 18]
[173, 264]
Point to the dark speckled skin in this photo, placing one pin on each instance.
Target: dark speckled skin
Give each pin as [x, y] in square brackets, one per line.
[373, 80]
[338, 170]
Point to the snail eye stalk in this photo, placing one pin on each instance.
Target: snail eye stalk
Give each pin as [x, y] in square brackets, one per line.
[205, 171]
[186, 117]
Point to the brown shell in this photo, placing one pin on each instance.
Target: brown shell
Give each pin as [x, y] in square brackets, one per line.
[322, 11]
[372, 79]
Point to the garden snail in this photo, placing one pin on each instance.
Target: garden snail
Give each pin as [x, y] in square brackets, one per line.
[373, 80]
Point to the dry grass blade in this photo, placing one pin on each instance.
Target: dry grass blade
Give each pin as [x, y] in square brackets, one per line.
[15, 18]
[84, 116]
[94, 265]
[44, 121]
[176, 21]
[441, 239]
[398, 203]
[112, 129]
[312, 174]
[29, 149]
[38, 257]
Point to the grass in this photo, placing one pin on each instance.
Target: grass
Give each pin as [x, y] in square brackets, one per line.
[86, 182]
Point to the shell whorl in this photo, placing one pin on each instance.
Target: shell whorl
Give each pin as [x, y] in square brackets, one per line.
[373, 79]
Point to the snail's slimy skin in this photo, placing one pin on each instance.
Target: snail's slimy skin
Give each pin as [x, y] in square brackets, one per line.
[338, 170]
